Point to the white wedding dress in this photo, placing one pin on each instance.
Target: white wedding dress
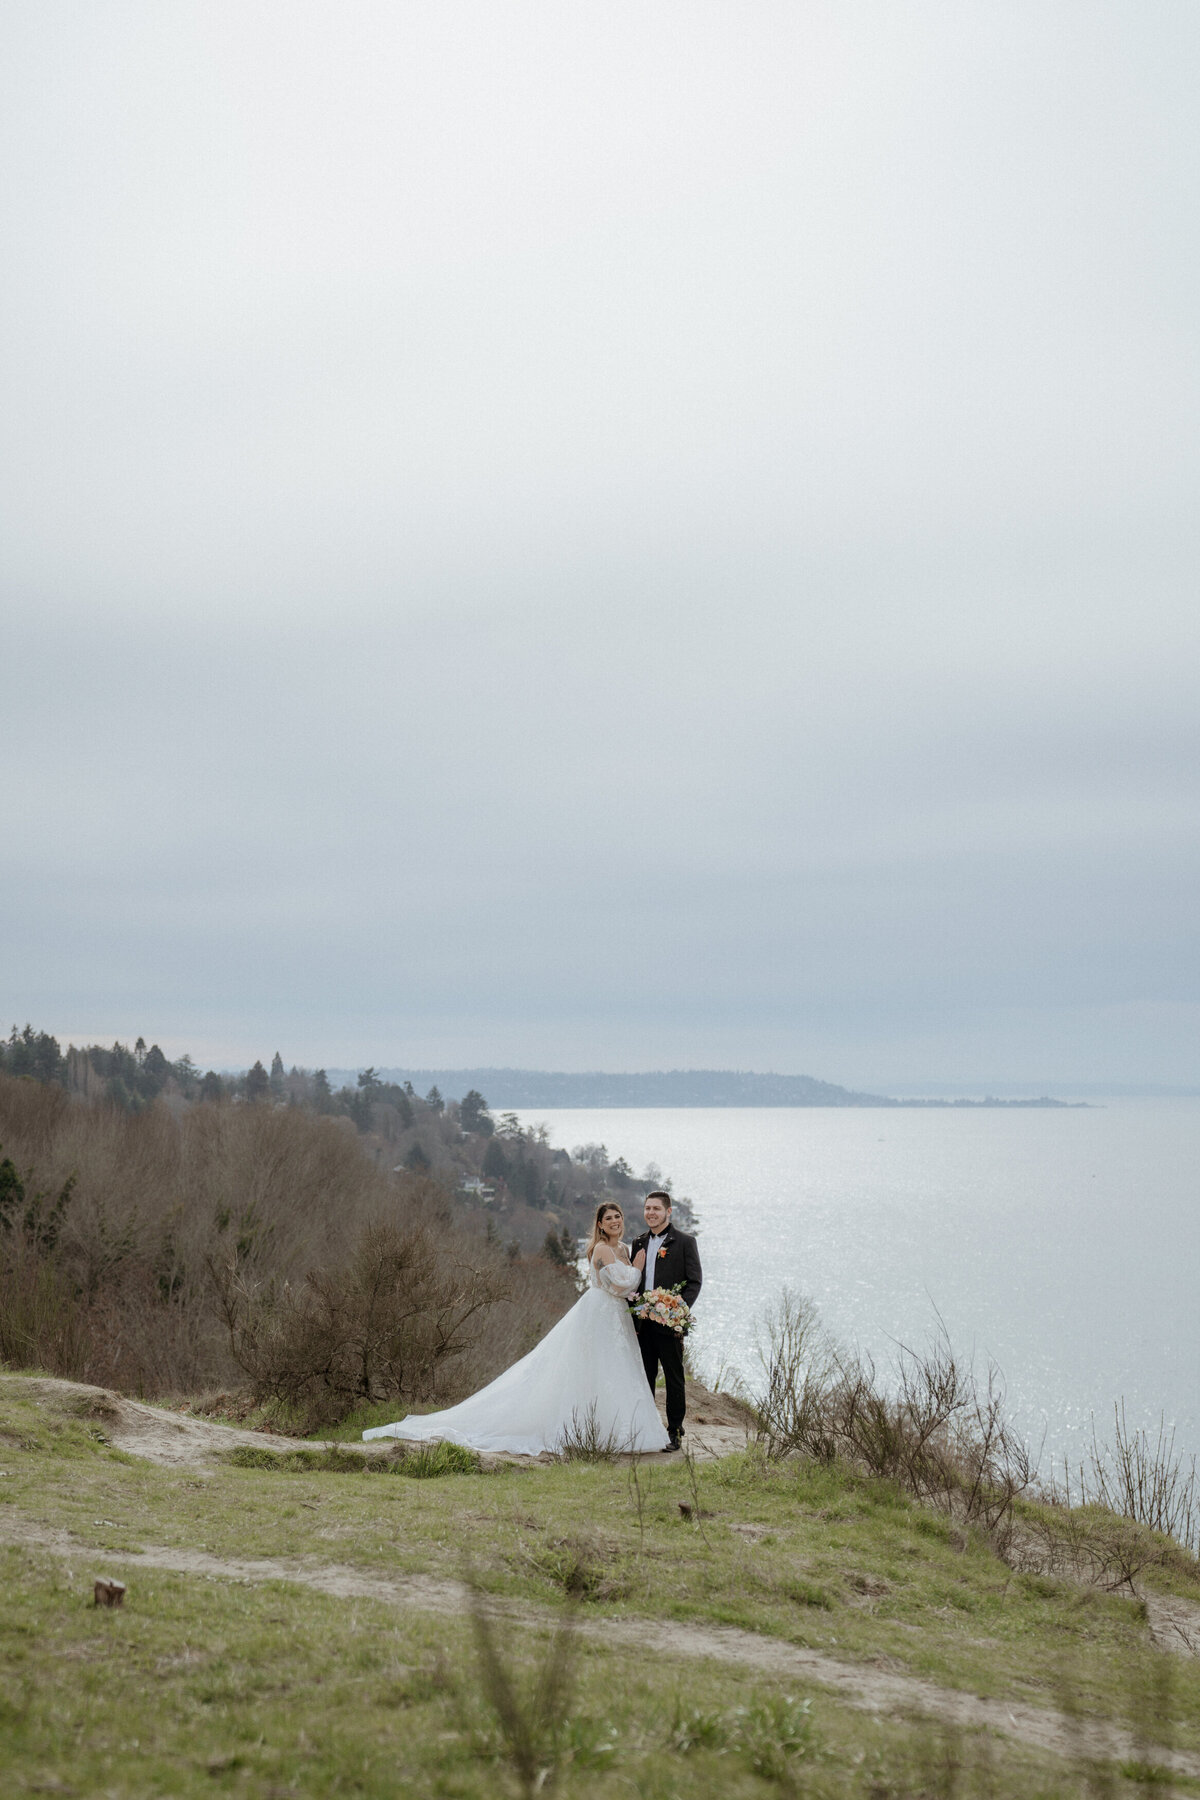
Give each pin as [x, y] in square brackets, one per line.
[586, 1375]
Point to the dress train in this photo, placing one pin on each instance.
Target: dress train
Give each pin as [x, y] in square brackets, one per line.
[585, 1375]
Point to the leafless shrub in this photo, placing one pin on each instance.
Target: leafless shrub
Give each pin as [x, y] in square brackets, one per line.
[803, 1373]
[1143, 1479]
[40, 1322]
[382, 1325]
[585, 1440]
[992, 1463]
[1132, 1506]
[1085, 1543]
[931, 1428]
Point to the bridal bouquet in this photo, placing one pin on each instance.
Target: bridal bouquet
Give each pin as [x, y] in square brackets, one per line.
[663, 1306]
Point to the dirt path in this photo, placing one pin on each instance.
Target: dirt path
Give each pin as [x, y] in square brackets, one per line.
[1174, 1623]
[180, 1439]
[175, 1439]
[867, 1686]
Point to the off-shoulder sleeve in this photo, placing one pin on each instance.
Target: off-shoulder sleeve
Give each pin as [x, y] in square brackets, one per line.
[618, 1278]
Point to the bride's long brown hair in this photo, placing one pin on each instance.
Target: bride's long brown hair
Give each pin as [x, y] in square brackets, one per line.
[606, 1206]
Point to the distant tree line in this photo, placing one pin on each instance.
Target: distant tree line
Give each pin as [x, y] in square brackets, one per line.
[167, 1231]
[256, 1250]
[521, 1190]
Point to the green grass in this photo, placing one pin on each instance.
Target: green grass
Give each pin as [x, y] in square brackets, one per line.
[420, 1462]
[202, 1685]
[218, 1688]
[366, 1418]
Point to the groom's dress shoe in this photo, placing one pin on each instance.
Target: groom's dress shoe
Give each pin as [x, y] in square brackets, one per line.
[675, 1440]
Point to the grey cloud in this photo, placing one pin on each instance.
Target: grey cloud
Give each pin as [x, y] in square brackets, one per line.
[598, 537]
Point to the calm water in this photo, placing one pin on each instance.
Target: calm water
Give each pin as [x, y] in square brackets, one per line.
[1064, 1246]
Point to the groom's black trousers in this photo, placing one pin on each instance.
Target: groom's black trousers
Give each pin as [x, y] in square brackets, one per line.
[661, 1347]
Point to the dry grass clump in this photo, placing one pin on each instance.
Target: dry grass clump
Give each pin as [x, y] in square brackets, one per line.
[530, 1711]
[585, 1440]
[239, 1245]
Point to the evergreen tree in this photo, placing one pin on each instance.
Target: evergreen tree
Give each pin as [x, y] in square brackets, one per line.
[186, 1074]
[434, 1101]
[277, 1076]
[119, 1093]
[560, 1247]
[258, 1083]
[155, 1069]
[531, 1182]
[12, 1193]
[369, 1090]
[417, 1160]
[495, 1163]
[35, 1053]
[474, 1115]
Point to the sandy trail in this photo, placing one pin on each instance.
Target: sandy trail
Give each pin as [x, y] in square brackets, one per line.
[869, 1687]
[180, 1439]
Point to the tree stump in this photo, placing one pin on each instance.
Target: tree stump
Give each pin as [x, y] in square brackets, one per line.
[108, 1592]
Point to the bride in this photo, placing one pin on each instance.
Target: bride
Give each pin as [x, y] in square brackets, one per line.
[585, 1376]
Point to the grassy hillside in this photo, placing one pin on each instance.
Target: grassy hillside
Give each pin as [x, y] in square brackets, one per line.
[300, 1626]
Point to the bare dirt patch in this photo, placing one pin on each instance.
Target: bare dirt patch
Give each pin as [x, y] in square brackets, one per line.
[179, 1439]
[1174, 1623]
[171, 1438]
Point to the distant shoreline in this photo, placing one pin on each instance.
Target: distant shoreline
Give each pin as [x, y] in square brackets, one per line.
[520, 1090]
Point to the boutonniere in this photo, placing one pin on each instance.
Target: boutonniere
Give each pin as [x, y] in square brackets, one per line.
[662, 1249]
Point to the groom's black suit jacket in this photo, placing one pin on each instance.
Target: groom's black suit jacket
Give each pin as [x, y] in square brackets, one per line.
[678, 1261]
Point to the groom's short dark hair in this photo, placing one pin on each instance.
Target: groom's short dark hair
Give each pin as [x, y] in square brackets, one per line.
[659, 1194]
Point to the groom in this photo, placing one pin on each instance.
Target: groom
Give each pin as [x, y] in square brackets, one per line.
[667, 1258]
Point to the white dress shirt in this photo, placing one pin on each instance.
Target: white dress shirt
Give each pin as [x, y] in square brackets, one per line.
[649, 1279]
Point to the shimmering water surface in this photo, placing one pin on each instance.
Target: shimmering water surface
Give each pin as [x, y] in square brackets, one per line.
[1062, 1245]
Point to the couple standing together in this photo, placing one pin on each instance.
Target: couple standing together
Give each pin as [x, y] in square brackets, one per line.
[593, 1375]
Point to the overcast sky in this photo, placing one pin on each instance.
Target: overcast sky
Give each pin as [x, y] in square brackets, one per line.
[625, 536]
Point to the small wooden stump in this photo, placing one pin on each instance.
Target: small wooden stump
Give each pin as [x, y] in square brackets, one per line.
[108, 1592]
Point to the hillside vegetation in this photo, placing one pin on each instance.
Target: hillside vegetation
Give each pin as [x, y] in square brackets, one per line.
[754, 1626]
[163, 1232]
[528, 1185]
[873, 1600]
